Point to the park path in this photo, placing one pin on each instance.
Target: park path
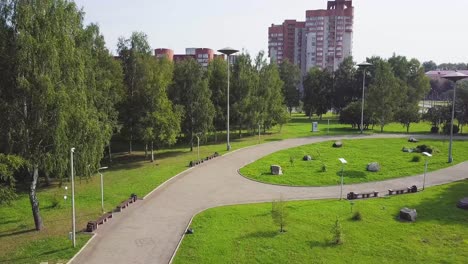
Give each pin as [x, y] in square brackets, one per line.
[150, 230]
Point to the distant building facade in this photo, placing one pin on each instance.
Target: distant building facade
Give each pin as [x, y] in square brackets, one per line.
[202, 55]
[324, 40]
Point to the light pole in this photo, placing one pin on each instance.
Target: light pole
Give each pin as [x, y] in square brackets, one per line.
[198, 146]
[427, 154]
[102, 187]
[363, 66]
[228, 51]
[343, 162]
[258, 133]
[454, 77]
[72, 150]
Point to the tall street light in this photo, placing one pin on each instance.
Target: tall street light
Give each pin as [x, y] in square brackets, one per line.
[228, 51]
[427, 154]
[343, 162]
[72, 150]
[363, 66]
[102, 187]
[454, 77]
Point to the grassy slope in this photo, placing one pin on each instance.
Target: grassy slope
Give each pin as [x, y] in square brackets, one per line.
[129, 174]
[394, 163]
[246, 234]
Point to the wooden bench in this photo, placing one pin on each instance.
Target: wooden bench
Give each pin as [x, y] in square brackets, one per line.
[126, 203]
[353, 195]
[412, 189]
[93, 225]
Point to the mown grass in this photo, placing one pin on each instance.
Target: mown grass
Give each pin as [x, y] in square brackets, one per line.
[127, 174]
[387, 152]
[246, 233]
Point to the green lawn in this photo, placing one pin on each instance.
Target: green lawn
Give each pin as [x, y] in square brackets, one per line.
[246, 233]
[128, 174]
[387, 152]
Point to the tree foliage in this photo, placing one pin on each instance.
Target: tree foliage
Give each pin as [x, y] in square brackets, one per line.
[190, 90]
[60, 90]
[317, 91]
[291, 76]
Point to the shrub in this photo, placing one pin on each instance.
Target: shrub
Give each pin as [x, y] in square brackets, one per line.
[434, 130]
[416, 158]
[356, 216]
[324, 167]
[424, 148]
[291, 160]
[337, 233]
[446, 129]
[279, 213]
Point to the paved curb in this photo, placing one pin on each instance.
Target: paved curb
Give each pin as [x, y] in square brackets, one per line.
[82, 248]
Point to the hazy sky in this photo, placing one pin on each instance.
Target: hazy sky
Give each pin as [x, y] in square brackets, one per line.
[423, 29]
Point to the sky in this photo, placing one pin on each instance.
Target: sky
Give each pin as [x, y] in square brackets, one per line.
[421, 29]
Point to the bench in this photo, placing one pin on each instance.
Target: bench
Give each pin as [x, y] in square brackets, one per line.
[353, 195]
[412, 189]
[93, 225]
[133, 198]
[194, 163]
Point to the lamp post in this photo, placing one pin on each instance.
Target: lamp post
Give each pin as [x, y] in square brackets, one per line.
[363, 66]
[198, 147]
[343, 162]
[102, 187]
[228, 51]
[454, 77]
[72, 150]
[425, 168]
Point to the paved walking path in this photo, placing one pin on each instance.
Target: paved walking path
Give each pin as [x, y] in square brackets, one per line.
[150, 230]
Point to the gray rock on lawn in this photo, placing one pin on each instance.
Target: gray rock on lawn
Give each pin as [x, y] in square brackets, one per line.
[276, 170]
[307, 158]
[338, 144]
[408, 214]
[463, 203]
[409, 150]
[373, 167]
[412, 139]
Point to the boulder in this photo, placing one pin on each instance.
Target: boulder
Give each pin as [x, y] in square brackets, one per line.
[463, 203]
[276, 170]
[412, 139]
[373, 167]
[338, 144]
[408, 214]
[409, 150]
[307, 158]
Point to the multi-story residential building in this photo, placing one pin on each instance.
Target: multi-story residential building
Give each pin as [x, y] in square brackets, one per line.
[324, 40]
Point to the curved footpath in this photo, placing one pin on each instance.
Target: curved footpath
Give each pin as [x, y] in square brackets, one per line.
[150, 230]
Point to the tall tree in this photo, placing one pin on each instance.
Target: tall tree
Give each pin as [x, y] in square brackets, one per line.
[271, 96]
[317, 91]
[160, 122]
[291, 76]
[244, 83]
[217, 82]
[429, 66]
[385, 91]
[190, 90]
[131, 51]
[52, 101]
[345, 86]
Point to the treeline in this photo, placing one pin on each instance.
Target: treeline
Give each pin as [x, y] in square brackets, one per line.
[60, 88]
[394, 88]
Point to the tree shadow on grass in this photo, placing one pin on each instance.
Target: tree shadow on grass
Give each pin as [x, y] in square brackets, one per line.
[261, 234]
[322, 244]
[351, 174]
[10, 233]
[51, 252]
[272, 139]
